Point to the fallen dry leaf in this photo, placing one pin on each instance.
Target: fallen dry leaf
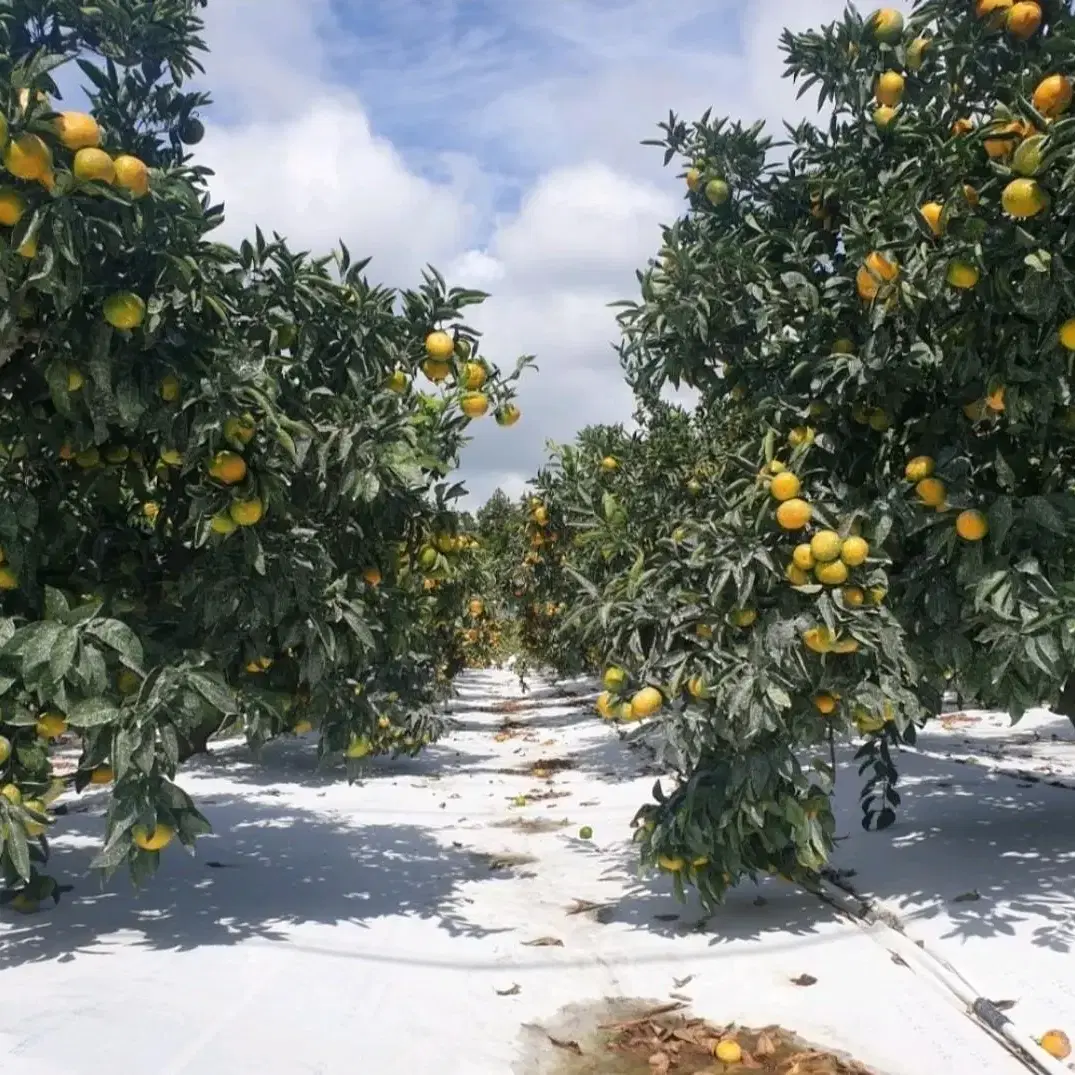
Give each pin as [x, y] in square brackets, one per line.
[545, 942]
[967, 897]
[681, 982]
[510, 991]
[573, 1046]
[805, 979]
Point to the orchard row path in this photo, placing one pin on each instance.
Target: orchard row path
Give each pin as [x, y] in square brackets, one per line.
[444, 914]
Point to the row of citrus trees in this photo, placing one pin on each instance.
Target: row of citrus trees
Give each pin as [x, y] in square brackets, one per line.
[874, 502]
[225, 496]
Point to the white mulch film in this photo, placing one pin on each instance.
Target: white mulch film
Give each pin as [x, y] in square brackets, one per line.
[383, 927]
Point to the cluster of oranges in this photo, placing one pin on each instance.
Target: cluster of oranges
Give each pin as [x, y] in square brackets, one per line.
[71, 145]
[971, 524]
[613, 704]
[447, 355]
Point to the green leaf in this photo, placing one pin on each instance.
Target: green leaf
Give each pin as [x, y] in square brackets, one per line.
[63, 653]
[18, 850]
[214, 691]
[119, 637]
[92, 712]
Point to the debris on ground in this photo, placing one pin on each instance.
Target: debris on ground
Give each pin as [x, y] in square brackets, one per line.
[664, 1039]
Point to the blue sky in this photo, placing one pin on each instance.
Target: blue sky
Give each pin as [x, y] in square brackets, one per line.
[499, 141]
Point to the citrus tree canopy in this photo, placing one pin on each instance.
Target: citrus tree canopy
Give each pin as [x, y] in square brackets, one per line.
[878, 311]
[224, 501]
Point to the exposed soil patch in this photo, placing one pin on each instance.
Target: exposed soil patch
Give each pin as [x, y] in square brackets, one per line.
[543, 767]
[639, 1037]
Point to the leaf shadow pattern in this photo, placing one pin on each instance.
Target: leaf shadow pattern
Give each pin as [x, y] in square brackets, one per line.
[961, 828]
[266, 867]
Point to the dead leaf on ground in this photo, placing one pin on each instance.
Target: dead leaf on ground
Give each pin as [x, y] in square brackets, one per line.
[572, 1046]
[967, 897]
[804, 979]
[679, 983]
[511, 991]
[545, 942]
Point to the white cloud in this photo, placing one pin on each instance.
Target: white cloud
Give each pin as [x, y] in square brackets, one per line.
[514, 164]
[323, 175]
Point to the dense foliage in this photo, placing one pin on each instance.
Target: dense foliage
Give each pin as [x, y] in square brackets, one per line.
[223, 500]
[887, 294]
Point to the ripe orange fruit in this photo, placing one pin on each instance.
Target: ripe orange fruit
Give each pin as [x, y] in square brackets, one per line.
[796, 575]
[833, 573]
[93, 165]
[28, 157]
[246, 512]
[931, 213]
[157, 840]
[646, 702]
[103, 774]
[793, 514]
[1066, 334]
[995, 400]
[854, 551]
[802, 557]
[440, 346]
[971, 525]
[921, 466]
[605, 705]
[884, 116]
[825, 546]
[853, 596]
[474, 376]
[931, 491]
[1004, 138]
[1023, 198]
[436, 370]
[970, 194]
[962, 274]
[694, 179]
[820, 639]
[474, 404]
[50, 725]
[885, 25]
[1057, 1044]
[994, 12]
[876, 271]
[1052, 96]
[1023, 20]
[508, 415]
[784, 486]
[889, 88]
[227, 467]
[12, 207]
[124, 310]
[8, 579]
[728, 1051]
[372, 576]
[27, 248]
[825, 703]
[77, 130]
[131, 175]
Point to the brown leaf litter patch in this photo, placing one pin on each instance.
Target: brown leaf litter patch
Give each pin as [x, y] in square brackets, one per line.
[638, 1037]
[958, 720]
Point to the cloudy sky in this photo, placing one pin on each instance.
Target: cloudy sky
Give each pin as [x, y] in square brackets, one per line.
[497, 140]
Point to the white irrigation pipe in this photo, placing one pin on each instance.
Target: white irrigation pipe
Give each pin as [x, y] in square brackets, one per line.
[982, 1010]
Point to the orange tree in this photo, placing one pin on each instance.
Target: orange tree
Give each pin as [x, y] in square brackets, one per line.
[219, 487]
[887, 292]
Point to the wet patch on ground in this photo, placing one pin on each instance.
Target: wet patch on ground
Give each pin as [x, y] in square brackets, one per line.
[621, 1036]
